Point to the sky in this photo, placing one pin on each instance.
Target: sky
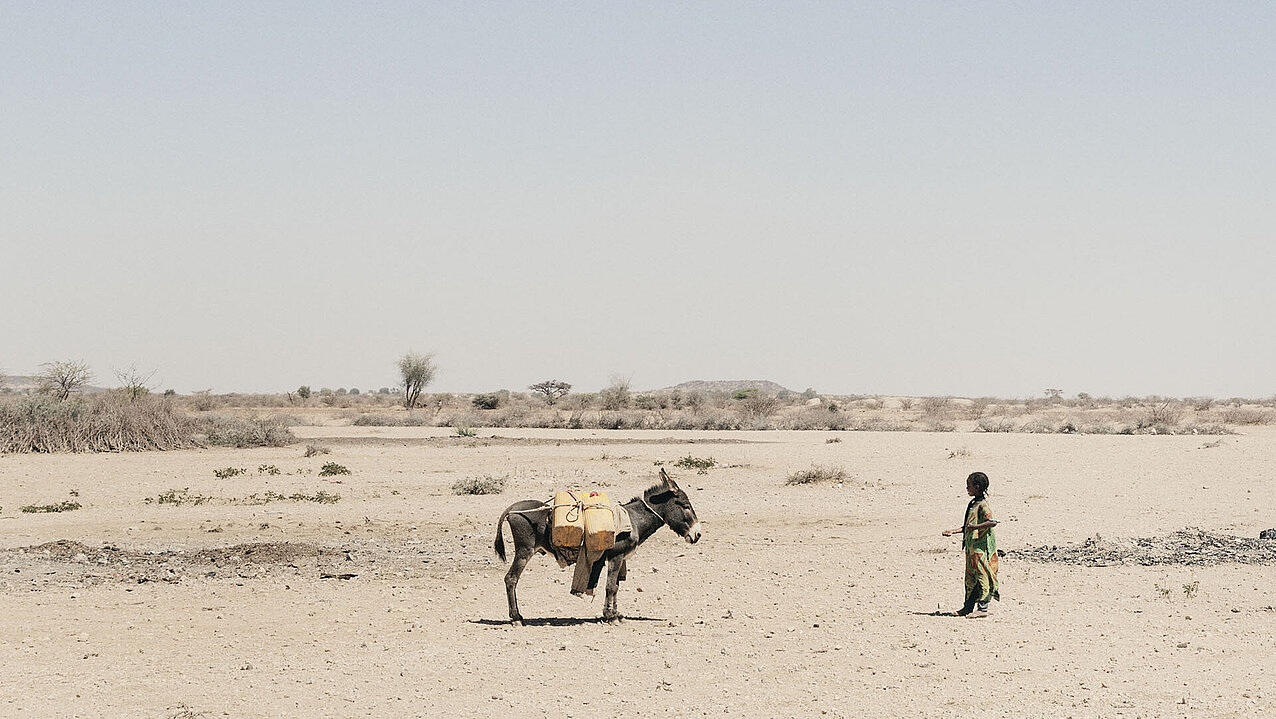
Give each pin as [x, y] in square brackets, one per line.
[882, 198]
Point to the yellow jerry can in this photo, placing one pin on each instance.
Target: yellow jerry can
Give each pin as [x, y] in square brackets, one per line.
[600, 523]
[569, 521]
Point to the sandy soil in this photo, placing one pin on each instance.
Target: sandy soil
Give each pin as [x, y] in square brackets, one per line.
[799, 601]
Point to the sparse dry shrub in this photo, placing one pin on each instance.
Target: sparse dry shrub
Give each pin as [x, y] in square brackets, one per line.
[933, 407]
[997, 424]
[204, 401]
[1097, 427]
[939, 425]
[464, 419]
[515, 417]
[227, 431]
[1039, 426]
[817, 474]
[816, 418]
[107, 422]
[614, 420]
[1165, 413]
[759, 406]
[583, 401]
[1206, 428]
[1012, 409]
[694, 400]
[368, 419]
[315, 449]
[906, 403]
[486, 484]
[615, 397]
[1245, 416]
[647, 402]
[878, 424]
[978, 406]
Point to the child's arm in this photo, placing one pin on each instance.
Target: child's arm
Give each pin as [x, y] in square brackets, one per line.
[970, 528]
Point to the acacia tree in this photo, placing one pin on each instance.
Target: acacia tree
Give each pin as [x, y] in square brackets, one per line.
[552, 389]
[417, 371]
[134, 382]
[60, 379]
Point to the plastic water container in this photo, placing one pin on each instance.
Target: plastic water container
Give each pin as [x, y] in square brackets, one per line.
[600, 523]
[569, 520]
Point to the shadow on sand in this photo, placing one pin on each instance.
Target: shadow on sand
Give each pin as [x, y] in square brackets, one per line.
[560, 621]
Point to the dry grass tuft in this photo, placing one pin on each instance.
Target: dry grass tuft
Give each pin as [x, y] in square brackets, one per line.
[486, 484]
[817, 474]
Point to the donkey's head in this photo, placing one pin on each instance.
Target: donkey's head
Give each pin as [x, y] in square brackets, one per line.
[673, 506]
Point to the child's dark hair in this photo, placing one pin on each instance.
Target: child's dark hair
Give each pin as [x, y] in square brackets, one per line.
[980, 480]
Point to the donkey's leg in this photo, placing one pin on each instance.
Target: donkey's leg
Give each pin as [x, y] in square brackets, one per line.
[521, 557]
[614, 568]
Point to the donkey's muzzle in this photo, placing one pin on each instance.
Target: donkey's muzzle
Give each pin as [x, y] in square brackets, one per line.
[693, 535]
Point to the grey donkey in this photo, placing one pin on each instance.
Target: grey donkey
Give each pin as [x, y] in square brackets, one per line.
[530, 523]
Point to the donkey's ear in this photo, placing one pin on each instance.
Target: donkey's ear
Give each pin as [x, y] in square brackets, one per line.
[666, 479]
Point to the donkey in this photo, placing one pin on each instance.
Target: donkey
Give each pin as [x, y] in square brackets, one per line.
[530, 525]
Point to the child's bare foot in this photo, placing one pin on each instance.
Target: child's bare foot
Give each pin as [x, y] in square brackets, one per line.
[976, 615]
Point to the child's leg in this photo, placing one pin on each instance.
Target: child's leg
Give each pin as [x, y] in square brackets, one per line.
[972, 592]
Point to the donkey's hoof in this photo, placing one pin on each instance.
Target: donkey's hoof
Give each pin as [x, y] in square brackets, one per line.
[516, 622]
[613, 619]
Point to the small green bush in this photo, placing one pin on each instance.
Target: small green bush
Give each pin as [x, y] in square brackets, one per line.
[487, 400]
[178, 497]
[268, 469]
[332, 469]
[228, 472]
[320, 497]
[702, 465]
[63, 506]
[463, 431]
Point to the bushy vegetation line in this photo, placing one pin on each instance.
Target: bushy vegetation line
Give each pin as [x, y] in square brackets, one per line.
[132, 418]
[115, 422]
[229, 431]
[184, 496]
[750, 410]
[99, 423]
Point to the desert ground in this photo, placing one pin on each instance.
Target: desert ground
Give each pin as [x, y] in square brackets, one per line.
[250, 600]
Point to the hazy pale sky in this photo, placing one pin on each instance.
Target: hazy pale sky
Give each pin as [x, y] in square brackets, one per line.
[897, 198]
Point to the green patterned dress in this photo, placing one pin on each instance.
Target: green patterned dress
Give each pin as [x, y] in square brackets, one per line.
[981, 554]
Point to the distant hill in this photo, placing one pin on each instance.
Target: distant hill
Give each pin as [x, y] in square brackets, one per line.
[20, 384]
[732, 385]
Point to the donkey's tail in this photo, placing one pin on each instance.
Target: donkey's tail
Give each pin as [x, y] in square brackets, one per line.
[499, 544]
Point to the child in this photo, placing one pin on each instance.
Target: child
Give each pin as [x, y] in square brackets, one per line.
[980, 543]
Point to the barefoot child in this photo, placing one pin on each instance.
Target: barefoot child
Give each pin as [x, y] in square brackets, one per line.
[980, 543]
